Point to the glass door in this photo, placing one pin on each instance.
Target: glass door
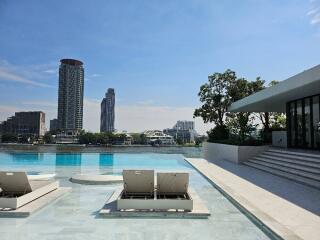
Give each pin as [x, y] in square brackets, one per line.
[303, 123]
[300, 125]
[316, 122]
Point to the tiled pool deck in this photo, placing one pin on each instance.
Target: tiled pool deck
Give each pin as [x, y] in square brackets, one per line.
[288, 220]
[75, 215]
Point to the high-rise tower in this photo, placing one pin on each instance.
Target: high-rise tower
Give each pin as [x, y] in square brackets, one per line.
[70, 100]
[107, 112]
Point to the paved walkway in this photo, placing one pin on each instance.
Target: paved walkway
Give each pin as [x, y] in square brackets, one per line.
[291, 210]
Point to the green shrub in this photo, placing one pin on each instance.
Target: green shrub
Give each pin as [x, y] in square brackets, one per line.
[218, 133]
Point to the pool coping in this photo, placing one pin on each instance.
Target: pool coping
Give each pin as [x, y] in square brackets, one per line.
[266, 221]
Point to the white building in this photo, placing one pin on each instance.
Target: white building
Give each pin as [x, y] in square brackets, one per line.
[157, 136]
[298, 97]
[184, 125]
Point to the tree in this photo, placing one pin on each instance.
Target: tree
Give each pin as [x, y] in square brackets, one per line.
[179, 141]
[218, 133]
[9, 138]
[47, 138]
[120, 138]
[271, 120]
[241, 123]
[139, 138]
[26, 138]
[266, 116]
[87, 138]
[143, 138]
[136, 138]
[96, 138]
[215, 98]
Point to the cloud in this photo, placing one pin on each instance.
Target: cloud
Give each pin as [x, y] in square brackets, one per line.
[316, 19]
[95, 75]
[9, 110]
[50, 71]
[24, 73]
[314, 12]
[13, 77]
[40, 103]
[146, 102]
[137, 118]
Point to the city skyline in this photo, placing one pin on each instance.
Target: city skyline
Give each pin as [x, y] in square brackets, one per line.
[148, 52]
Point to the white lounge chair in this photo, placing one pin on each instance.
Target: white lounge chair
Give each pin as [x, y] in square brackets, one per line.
[138, 182]
[17, 190]
[139, 191]
[172, 183]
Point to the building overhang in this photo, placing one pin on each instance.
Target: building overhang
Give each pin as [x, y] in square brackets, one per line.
[274, 99]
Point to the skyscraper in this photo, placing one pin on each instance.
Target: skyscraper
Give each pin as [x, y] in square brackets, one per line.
[107, 112]
[70, 100]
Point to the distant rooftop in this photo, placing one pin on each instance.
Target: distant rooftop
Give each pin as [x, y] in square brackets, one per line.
[73, 62]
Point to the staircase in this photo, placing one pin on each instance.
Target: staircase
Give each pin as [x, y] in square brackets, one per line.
[298, 166]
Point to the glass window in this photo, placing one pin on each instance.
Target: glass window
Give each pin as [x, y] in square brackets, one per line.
[307, 111]
[299, 140]
[315, 121]
[292, 125]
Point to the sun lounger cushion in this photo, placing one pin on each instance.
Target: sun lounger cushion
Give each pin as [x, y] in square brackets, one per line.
[171, 182]
[14, 182]
[138, 181]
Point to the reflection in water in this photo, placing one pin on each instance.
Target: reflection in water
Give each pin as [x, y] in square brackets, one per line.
[27, 157]
[106, 163]
[105, 160]
[73, 159]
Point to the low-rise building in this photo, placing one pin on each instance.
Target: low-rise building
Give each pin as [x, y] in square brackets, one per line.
[158, 137]
[122, 139]
[182, 132]
[25, 123]
[181, 136]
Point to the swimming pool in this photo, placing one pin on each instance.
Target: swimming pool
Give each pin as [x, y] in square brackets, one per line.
[74, 216]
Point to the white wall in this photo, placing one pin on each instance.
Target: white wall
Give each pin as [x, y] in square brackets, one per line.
[232, 153]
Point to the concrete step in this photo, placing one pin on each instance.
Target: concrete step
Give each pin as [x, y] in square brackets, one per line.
[293, 156]
[314, 155]
[297, 172]
[290, 160]
[300, 179]
[290, 165]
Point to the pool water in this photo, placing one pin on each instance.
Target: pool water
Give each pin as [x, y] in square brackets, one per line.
[74, 216]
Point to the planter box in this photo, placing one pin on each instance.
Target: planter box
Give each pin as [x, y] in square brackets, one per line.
[232, 153]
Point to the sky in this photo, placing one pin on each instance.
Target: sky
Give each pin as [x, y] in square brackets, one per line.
[156, 54]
